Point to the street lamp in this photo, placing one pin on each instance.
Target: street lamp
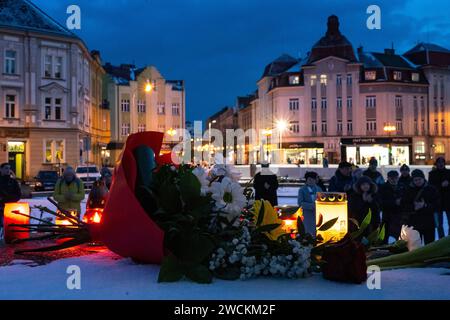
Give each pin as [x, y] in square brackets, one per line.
[172, 132]
[209, 140]
[148, 87]
[389, 128]
[267, 133]
[282, 126]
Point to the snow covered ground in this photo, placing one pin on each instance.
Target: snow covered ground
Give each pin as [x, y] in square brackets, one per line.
[106, 276]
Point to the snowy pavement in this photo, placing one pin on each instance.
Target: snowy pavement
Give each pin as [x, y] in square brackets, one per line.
[105, 275]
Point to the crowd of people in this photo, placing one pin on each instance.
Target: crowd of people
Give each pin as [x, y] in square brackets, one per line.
[404, 198]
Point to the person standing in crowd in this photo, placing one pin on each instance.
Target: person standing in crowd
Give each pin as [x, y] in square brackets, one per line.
[106, 177]
[9, 191]
[342, 180]
[69, 191]
[325, 162]
[440, 179]
[405, 177]
[373, 173]
[390, 195]
[419, 204]
[307, 200]
[363, 199]
[266, 185]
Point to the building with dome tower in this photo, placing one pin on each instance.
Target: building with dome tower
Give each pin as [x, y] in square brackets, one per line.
[349, 104]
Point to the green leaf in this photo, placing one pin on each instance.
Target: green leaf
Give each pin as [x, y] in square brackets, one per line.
[382, 233]
[364, 225]
[261, 214]
[300, 226]
[328, 225]
[169, 197]
[199, 273]
[190, 187]
[171, 270]
[267, 228]
[373, 236]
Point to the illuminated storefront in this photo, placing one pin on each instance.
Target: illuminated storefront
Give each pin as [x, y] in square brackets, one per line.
[388, 151]
[303, 153]
[16, 158]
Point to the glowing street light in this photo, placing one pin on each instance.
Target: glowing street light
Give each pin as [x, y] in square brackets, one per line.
[282, 126]
[148, 87]
[172, 132]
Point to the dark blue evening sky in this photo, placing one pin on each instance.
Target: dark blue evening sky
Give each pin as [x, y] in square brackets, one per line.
[220, 47]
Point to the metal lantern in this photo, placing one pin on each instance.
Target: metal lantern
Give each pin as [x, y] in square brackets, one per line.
[330, 206]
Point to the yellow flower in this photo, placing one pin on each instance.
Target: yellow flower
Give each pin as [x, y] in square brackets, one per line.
[270, 217]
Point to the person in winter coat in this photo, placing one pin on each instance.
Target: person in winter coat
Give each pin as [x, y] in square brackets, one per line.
[419, 204]
[342, 181]
[307, 200]
[373, 173]
[69, 191]
[390, 195]
[405, 177]
[9, 191]
[266, 185]
[363, 198]
[440, 179]
[106, 177]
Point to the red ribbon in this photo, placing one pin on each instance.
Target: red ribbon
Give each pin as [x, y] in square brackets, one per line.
[126, 228]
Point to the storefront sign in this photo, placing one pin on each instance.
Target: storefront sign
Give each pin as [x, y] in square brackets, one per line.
[14, 133]
[372, 141]
[303, 145]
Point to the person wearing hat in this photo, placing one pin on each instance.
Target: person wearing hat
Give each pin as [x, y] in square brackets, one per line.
[405, 177]
[69, 191]
[390, 196]
[373, 173]
[419, 204]
[307, 200]
[361, 200]
[440, 179]
[265, 184]
[342, 180]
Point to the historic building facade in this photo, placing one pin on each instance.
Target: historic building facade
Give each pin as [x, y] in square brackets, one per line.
[50, 91]
[343, 103]
[141, 99]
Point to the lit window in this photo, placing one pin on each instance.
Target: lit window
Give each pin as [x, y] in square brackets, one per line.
[54, 151]
[415, 77]
[161, 108]
[370, 75]
[397, 75]
[420, 147]
[293, 80]
[141, 127]
[313, 80]
[323, 79]
[176, 109]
